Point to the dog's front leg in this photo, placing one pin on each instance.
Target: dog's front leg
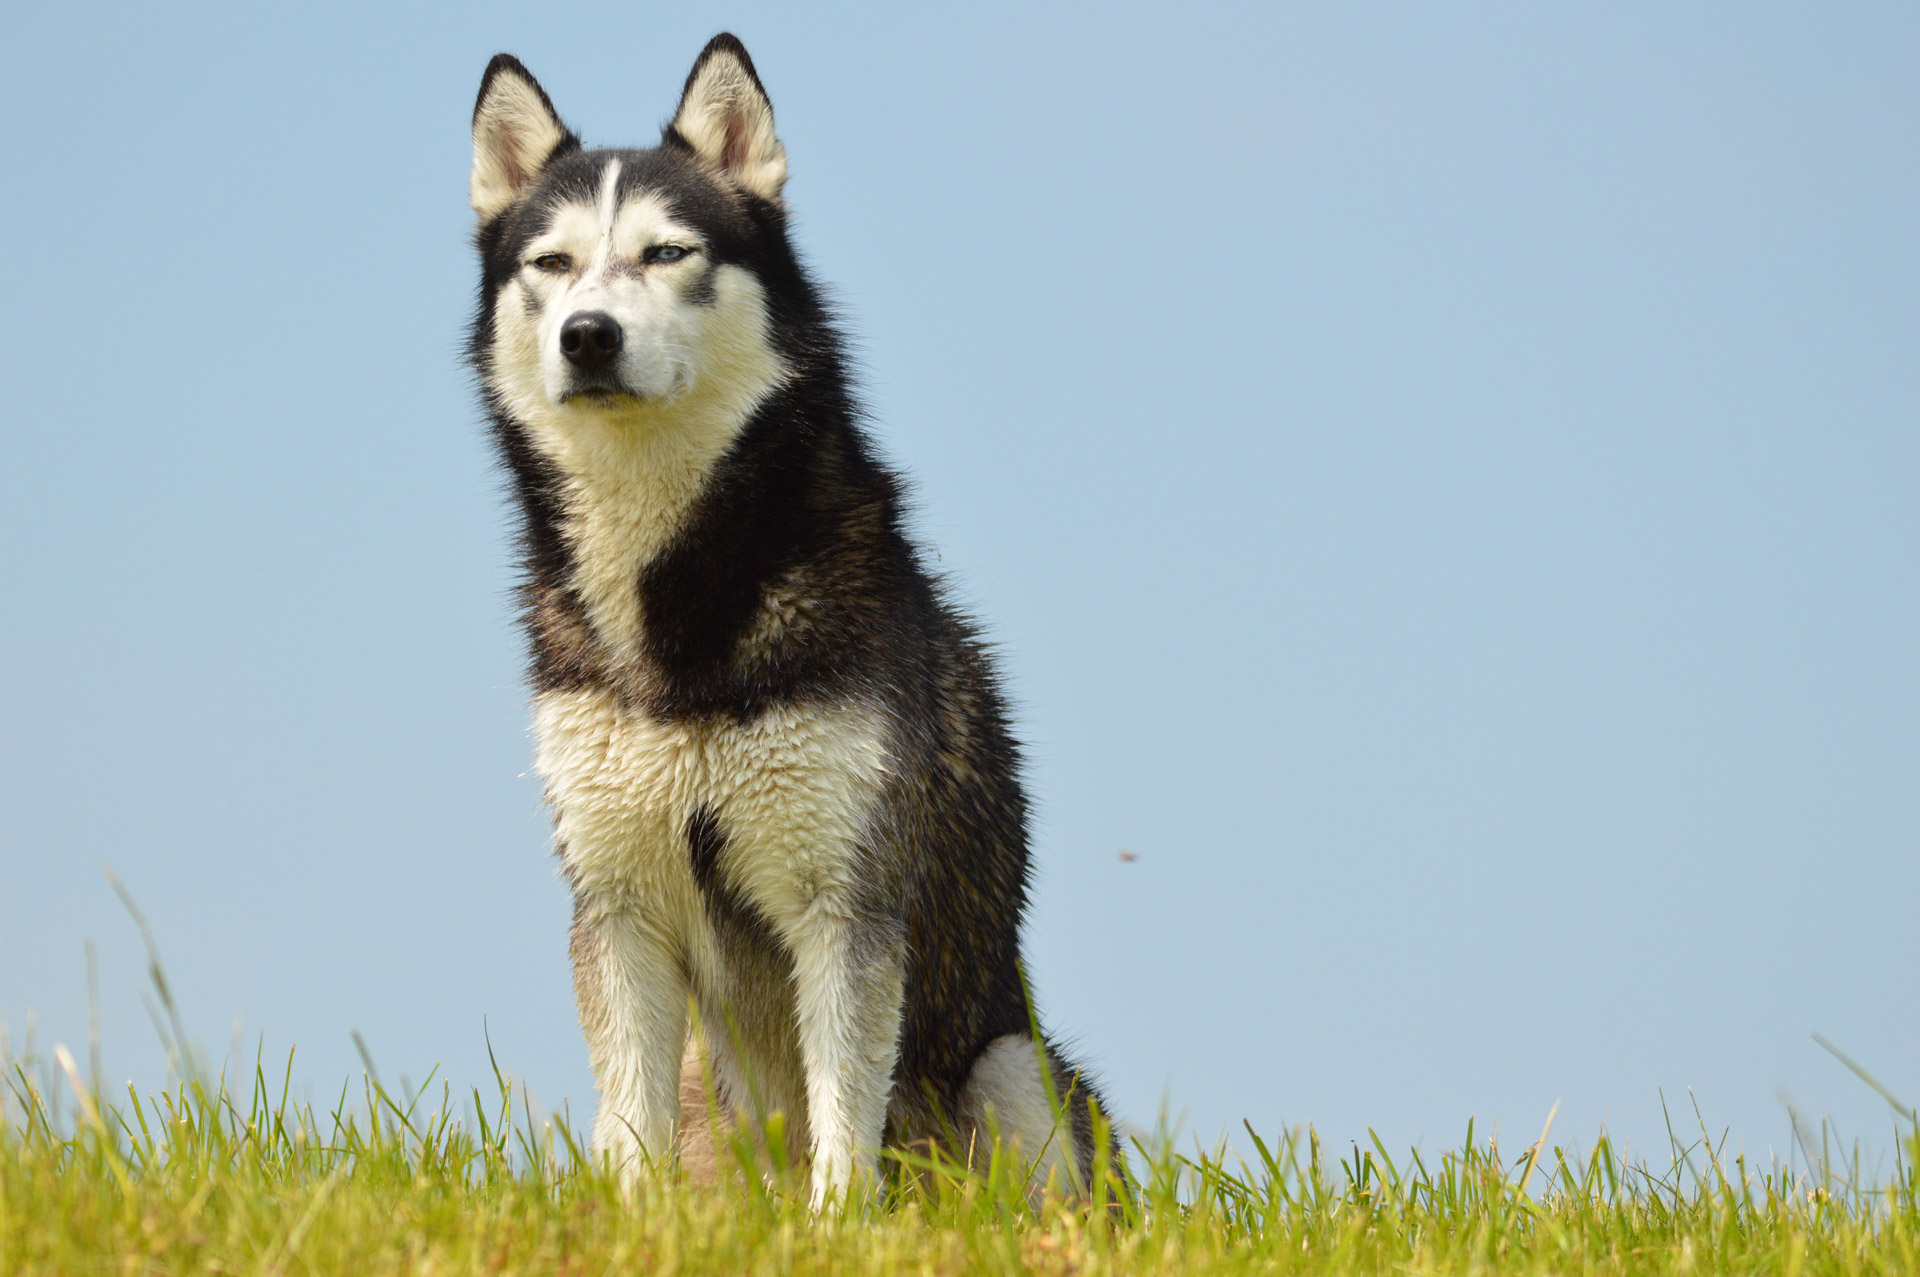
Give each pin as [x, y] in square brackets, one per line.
[632, 989]
[849, 976]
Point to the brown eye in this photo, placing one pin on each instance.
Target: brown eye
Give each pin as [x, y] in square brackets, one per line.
[552, 263]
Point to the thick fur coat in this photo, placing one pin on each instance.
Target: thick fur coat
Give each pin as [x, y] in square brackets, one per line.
[784, 787]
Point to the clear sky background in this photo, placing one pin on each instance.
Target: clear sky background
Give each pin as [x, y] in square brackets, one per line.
[1444, 480]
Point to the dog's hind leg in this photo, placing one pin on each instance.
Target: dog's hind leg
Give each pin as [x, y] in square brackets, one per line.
[1050, 1127]
[704, 1127]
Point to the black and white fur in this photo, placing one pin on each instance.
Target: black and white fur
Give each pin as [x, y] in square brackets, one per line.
[778, 759]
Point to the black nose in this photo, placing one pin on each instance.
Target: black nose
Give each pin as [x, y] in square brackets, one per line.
[590, 339]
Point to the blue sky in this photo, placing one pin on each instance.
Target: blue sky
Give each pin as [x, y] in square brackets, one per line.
[1444, 483]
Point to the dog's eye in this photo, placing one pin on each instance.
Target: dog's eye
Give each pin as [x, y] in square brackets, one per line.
[668, 253]
[552, 263]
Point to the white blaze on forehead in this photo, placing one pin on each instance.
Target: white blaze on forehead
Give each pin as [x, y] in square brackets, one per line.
[609, 188]
[605, 208]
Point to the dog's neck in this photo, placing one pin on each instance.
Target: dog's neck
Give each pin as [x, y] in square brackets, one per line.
[629, 479]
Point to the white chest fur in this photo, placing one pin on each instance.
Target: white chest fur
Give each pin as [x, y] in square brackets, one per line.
[792, 790]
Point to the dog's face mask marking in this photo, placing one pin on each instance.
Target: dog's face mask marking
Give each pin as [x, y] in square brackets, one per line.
[620, 287]
[621, 300]
[609, 290]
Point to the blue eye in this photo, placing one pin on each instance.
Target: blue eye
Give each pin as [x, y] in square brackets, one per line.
[668, 252]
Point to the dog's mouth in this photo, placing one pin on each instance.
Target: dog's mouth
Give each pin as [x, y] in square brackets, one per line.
[600, 394]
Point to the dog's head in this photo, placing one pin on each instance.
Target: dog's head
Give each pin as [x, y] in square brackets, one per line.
[617, 284]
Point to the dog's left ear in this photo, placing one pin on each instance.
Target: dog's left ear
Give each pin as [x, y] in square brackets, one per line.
[726, 120]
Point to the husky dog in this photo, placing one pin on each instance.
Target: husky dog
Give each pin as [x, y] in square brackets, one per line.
[783, 786]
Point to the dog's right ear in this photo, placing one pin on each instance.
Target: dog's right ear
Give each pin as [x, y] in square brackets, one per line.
[515, 134]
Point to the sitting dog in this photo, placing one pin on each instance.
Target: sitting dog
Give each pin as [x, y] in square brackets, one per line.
[784, 789]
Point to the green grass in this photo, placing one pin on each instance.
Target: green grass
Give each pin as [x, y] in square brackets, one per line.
[213, 1177]
[216, 1175]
